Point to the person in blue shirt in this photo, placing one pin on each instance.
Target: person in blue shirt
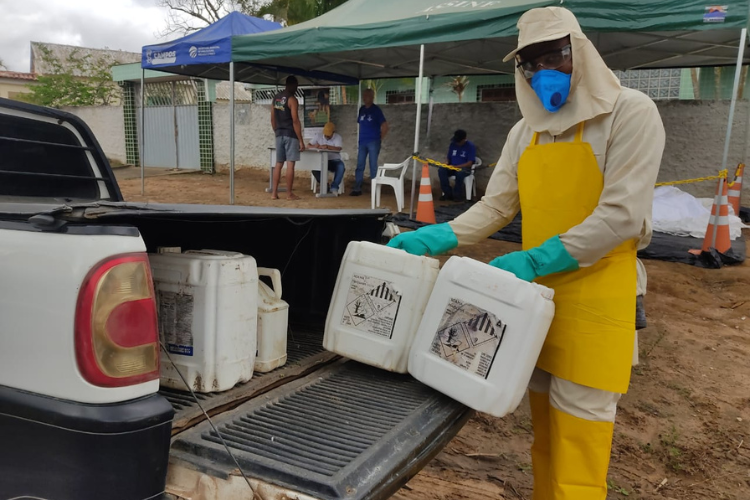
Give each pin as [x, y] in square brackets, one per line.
[461, 154]
[372, 130]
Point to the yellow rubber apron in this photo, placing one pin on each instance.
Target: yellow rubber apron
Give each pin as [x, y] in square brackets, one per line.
[591, 338]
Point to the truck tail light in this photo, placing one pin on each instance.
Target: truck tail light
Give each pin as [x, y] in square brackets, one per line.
[116, 333]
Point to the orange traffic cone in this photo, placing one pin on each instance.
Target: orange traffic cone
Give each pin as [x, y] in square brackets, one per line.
[735, 189]
[717, 232]
[425, 206]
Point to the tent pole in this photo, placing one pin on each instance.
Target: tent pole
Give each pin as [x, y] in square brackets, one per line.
[738, 70]
[747, 137]
[143, 132]
[176, 128]
[431, 102]
[418, 96]
[359, 106]
[231, 133]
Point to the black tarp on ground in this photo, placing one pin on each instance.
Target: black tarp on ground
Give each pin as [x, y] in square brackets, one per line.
[663, 246]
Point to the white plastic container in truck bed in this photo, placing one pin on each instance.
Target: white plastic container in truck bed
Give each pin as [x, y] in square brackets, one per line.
[208, 316]
[273, 323]
[377, 304]
[481, 335]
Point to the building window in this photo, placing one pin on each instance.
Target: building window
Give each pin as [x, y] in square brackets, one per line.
[655, 83]
[496, 93]
[399, 97]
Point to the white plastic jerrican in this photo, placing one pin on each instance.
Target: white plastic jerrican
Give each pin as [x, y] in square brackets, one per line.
[273, 319]
[208, 317]
[377, 304]
[481, 335]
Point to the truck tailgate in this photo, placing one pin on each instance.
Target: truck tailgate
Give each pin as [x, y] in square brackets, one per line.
[346, 431]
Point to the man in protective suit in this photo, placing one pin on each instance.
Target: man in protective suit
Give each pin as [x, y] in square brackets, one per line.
[581, 166]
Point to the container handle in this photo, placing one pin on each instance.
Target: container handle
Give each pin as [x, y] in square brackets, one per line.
[275, 276]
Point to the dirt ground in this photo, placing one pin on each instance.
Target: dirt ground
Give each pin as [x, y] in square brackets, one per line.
[682, 431]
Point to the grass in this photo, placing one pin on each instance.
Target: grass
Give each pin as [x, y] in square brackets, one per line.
[524, 467]
[614, 487]
[647, 407]
[673, 452]
[682, 391]
[523, 426]
[647, 448]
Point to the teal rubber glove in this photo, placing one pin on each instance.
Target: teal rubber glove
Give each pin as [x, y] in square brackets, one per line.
[548, 258]
[428, 240]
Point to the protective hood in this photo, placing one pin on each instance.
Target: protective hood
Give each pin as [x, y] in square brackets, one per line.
[594, 88]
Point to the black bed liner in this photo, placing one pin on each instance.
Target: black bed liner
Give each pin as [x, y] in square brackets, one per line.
[305, 353]
[346, 431]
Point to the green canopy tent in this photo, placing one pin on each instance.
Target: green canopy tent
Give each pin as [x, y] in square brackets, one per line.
[415, 38]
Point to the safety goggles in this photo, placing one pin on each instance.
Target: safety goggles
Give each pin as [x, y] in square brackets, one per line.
[549, 60]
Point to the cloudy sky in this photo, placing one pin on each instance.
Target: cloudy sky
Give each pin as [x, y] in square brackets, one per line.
[116, 24]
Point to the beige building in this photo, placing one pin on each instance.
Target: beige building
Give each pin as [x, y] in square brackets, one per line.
[13, 83]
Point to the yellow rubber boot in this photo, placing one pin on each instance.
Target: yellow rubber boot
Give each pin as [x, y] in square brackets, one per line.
[540, 450]
[580, 452]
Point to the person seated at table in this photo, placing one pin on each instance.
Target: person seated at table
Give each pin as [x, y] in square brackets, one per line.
[331, 141]
[461, 154]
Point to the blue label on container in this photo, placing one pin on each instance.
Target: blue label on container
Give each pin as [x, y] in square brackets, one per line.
[184, 350]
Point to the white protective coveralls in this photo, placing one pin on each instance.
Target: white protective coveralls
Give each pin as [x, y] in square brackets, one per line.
[573, 411]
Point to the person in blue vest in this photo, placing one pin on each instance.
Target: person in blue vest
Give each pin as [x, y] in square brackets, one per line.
[461, 154]
[373, 128]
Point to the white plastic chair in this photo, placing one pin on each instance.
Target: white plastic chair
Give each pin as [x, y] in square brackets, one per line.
[470, 182]
[397, 183]
[314, 183]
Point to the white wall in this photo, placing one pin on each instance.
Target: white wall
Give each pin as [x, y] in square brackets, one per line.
[253, 135]
[108, 125]
[695, 135]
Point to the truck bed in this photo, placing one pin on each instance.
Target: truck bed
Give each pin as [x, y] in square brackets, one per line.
[305, 353]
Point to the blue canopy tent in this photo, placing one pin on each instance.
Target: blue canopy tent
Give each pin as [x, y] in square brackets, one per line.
[207, 53]
[204, 53]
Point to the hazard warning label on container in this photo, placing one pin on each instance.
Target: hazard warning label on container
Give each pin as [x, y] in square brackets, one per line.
[176, 321]
[371, 305]
[469, 337]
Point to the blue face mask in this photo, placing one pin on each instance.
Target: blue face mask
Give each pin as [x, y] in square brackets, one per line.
[552, 87]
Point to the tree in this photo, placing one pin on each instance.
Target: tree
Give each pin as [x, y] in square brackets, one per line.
[185, 16]
[292, 12]
[458, 86]
[374, 85]
[79, 80]
[2, 66]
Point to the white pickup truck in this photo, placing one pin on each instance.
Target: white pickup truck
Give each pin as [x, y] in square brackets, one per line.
[82, 416]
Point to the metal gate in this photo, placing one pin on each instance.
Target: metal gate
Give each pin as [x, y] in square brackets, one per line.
[171, 139]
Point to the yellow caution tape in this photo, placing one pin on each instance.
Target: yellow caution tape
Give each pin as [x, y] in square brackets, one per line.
[722, 175]
[438, 164]
[737, 173]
